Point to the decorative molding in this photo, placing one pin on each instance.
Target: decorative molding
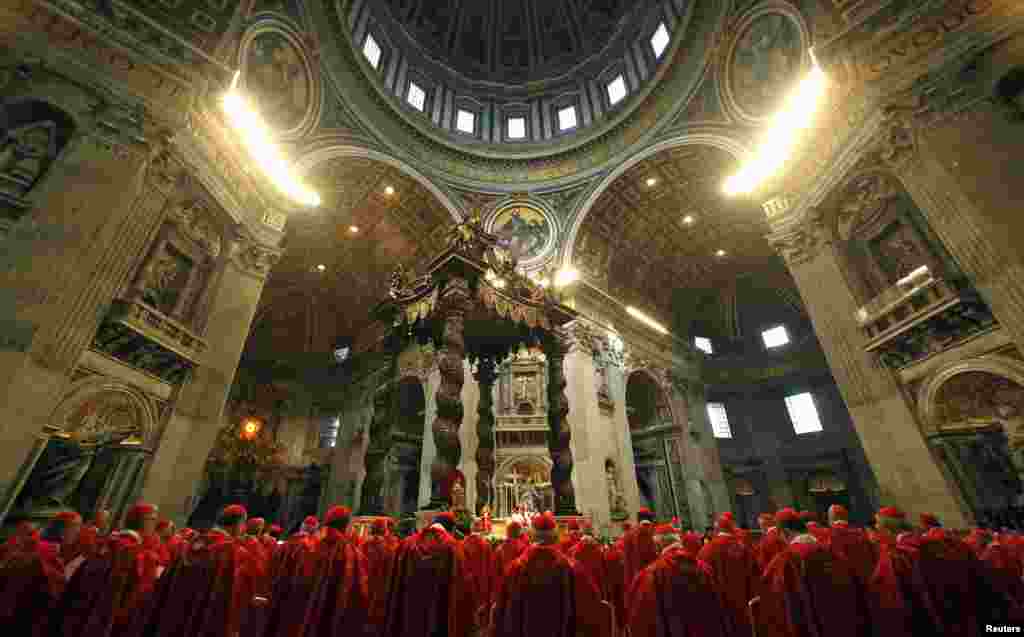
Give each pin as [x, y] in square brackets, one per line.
[254, 257]
[928, 392]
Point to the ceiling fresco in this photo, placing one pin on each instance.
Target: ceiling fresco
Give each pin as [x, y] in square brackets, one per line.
[359, 234]
[660, 226]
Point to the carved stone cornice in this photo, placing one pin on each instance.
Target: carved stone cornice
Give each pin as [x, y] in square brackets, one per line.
[254, 257]
[801, 242]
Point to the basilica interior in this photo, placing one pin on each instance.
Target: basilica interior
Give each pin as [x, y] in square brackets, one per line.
[584, 256]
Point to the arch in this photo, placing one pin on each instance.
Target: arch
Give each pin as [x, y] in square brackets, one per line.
[661, 397]
[721, 141]
[537, 460]
[326, 149]
[81, 392]
[997, 365]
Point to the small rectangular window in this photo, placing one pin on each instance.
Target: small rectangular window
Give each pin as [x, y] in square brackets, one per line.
[703, 344]
[775, 337]
[616, 90]
[416, 97]
[465, 122]
[567, 118]
[719, 420]
[372, 51]
[803, 413]
[517, 128]
[660, 40]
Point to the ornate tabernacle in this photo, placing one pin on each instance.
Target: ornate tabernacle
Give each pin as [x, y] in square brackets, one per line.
[473, 303]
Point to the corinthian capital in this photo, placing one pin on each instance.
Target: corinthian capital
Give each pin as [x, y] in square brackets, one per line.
[254, 257]
[802, 243]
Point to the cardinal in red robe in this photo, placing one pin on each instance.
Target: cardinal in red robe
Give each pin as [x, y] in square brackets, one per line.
[1003, 572]
[32, 577]
[734, 574]
[93, 535]
[515, 543]
[589, 554]
[638, 547]
[674, 596]
[207, 592]
[379, 549]
[546, 593]
[571, 537]
[806, 592]
[772, 542]
[852, 546]
[270, 539]
[900, 603]
[953, 574]
[23, 532]
[105, 593]
[479, 561]
[429, 596]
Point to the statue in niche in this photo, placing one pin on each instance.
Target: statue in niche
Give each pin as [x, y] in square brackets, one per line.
[85, 434]
[616, 501]
[165, 279]
[25, 153]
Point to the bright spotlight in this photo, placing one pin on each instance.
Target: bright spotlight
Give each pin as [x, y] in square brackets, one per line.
[566, 276]
[646, 320]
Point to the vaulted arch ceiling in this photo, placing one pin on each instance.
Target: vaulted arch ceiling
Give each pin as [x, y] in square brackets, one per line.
[645, 241]
[305, 310]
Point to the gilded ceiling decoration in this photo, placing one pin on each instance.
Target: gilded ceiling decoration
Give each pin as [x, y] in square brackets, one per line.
[660, 226]
[359, 235]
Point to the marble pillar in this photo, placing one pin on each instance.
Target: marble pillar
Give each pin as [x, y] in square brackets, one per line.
[908, 475]
[590, 442]
[199, 413]
[64, 263]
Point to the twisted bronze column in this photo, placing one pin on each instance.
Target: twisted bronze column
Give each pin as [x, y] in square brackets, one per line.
[485, 377]
[559, 436]
[452, 307]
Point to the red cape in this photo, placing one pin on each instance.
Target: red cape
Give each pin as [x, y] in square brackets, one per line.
[31, 582]
[770, 545]
[480, 566]
[615, 567]
[429, 596]
[639, 550]
[735, 576]
[674, 597]
[380, 560]
[589, 554]
[508, 552]
[899, 600]
[339, 600]
[951, 571]
[290, 578]
[807, 592]
[204, 593]
[853, 547]
[546, 593]
[108, 589]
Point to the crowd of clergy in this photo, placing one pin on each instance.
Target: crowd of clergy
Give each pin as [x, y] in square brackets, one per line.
[796, 577]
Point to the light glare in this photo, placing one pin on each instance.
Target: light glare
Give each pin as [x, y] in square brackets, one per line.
[566, 276]
[795, 116]
[646, 320]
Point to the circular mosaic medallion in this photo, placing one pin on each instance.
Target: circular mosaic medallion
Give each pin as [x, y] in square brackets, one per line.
[278, 81]
[526, 232]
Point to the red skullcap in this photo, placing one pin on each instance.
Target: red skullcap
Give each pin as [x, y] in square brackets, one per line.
[811, 524]
[139, 511]
[838, 512]
[726, 522]
[337, 513]
[235, 511]
[891, 512]
[787, 514]
[163, 525]
[276, 530]
[68, 517]
[675, 521]
[544, 522]
[380, 525]
[574, 525]
[255, 524]
[513, 525]
[929, 519]
[311, 521]
[665, 529]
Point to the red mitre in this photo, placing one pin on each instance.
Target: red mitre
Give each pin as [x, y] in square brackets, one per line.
[163, 525]
[838, 512]
[235, 511]
[787, 514]
[645, 515]
[336, 513]
[891, 512]
[928, 520]
[725, 523]
[68, 517]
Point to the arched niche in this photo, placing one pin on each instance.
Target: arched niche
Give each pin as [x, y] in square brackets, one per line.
[972, 413]
[650, 419]
[523, 479]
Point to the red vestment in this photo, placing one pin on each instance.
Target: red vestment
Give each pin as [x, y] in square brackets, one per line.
[570, 540]
[615, 567]
[589, 554]
[429, 596]
[951, 572]
[31, 582]
[807, 592]
[546, 593]
[734, 575]
[338, 602]
[853, 547]
[675, 597]
[899, 600]
[480, 566]
[508, 552]
[380, 560]
[204, 594]
[639, 550]
[771, 545]
[108, 589]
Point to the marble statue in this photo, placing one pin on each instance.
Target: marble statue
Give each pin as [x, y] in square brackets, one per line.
[616, 502]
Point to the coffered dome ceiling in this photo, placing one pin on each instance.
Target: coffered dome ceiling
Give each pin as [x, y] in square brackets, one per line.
[513, 41]
[659, 227]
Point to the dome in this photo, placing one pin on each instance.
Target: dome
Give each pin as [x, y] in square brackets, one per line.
[510, 42]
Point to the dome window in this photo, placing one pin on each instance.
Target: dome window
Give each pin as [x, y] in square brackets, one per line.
[660, 40]
[567, 118]
[517, 128]
[416, 97]
[719, 420]
[372, 51]
[703, 344]
[465, 121]
[617, 90]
